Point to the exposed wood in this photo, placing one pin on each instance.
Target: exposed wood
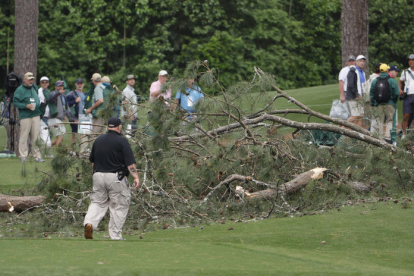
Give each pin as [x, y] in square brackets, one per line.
[292, 186]
[19, 203]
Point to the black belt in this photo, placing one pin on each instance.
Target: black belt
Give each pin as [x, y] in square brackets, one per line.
[105, 172]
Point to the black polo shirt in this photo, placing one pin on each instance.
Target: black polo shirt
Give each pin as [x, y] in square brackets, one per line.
[111, 152]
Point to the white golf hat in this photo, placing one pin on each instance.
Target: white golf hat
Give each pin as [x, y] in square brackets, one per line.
[360, 57]
[44, 78]
[162, 73]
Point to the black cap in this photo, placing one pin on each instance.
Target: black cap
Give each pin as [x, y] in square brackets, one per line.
[114, 122]
[377, 68]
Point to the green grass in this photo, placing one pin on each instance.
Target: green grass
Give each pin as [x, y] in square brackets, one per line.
[22, 175]
[361, 240]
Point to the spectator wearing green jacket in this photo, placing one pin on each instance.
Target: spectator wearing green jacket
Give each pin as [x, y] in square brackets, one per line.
[28, 103]
[383, 113]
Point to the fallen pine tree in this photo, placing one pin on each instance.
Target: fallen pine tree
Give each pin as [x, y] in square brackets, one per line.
[191, 169]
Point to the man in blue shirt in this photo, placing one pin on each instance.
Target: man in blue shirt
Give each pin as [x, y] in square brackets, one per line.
[188, 99]
[355, 94]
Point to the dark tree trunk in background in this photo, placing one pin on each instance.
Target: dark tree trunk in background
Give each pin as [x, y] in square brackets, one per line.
[25, 49]
[25, 36]
[354, 26]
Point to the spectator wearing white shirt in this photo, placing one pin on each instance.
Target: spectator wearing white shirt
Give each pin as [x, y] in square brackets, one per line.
[129, 100]
[407, 78]
[43, 93]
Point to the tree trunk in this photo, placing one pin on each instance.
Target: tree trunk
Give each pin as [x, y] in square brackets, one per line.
[354, 26]
[25, 50]
[19, 203]
[25, 36]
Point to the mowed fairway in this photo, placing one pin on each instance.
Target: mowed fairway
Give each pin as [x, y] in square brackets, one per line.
[362, 240]
[370, 239]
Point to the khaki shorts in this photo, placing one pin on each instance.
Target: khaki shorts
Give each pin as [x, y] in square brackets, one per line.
[356, 108]
[57, 130]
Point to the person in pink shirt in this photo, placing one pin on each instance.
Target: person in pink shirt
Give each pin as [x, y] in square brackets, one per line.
[156, 87]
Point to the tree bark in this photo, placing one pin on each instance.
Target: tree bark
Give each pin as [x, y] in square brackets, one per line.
[19, 203]
[25, 50]
[355, 27]
[25, 36]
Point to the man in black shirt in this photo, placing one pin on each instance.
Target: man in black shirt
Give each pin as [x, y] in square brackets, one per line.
[112, 158]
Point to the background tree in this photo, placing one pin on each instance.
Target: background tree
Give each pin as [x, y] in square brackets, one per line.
[355, 28]
[298, 42]
[6, 37]
[25, 42]
[25, 53]
[391, 31]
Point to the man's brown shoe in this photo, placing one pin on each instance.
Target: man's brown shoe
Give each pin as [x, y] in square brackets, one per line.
[88, 231]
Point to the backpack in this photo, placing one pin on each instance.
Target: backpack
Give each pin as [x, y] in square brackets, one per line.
[352, 84]
[382, 90]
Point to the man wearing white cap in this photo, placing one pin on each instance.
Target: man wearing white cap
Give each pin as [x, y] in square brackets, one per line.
[156, 87]
[355, 91]
[27, 101]
[43, 93]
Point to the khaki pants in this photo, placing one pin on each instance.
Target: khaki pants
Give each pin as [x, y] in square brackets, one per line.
[97, 129]
[109, 192]
[382, 115]
[29, 126]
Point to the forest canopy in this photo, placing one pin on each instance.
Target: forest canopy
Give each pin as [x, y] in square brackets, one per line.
[299, 42]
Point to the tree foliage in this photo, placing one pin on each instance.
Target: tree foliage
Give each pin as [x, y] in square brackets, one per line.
[299, 42]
